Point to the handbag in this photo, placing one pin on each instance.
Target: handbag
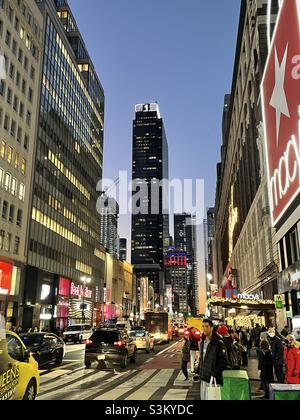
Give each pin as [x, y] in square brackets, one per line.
[214, 391]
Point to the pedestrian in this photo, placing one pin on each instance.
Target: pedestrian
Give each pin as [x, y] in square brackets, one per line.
[292, 360]
[277, 349]
[213, 358]
[186, 355]
[266, 367]
[194, 349]
[256, 338]
[232, 355]
[285, 332]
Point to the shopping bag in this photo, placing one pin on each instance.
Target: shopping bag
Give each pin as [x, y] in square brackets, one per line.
[214, 391]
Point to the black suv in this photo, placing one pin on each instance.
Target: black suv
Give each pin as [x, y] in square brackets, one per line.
[112, 346]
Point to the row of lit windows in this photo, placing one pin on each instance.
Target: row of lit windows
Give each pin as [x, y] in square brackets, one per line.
[25, 37]
[55, 227]
[58, 206]
[68, 174]
[84, 268]
[99, 254]
[12, 157]
[10, 184]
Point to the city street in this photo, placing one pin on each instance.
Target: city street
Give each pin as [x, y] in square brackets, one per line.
[153, 377]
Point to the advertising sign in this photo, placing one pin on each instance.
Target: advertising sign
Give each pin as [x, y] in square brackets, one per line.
[281, 108]
[5, 278]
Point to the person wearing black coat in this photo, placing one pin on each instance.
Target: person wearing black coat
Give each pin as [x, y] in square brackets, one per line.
[213, 358]
[266, 367]
[277, 349]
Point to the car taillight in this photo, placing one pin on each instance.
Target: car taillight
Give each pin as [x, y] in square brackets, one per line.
[89, 342]
[119, 343]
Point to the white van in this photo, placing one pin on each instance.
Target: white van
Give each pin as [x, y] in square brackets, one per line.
[78, 333]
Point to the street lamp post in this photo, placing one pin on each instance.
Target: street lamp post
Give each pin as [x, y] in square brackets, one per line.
[85, 280]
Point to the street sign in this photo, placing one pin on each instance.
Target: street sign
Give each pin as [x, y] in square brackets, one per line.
[279, 301]
[280, 93]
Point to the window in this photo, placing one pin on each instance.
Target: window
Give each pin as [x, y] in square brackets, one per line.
[2, 238]
[17, 160]
[9, 96]
[3, 149]
[4, 210]
[13, 188]
[17, 245]
[11, 214]
[8, 38]
[7, 181]
[23, 167]
[7, 242]
[21, 112]
[14, 348]
[22, 192]
[26, 142]
[19, 218]
[9, 154]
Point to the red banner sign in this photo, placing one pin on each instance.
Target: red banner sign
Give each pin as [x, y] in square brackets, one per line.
[5, 278]
[281, 107]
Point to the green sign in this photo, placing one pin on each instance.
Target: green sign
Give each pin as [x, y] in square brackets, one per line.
[279, 301]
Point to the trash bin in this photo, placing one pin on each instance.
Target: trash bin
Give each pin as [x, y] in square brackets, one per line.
[236, 386]
[280, 392]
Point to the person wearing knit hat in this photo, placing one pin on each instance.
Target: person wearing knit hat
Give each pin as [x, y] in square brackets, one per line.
[223, 330]
[292, 360]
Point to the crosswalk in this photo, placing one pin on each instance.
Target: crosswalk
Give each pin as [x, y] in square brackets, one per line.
[135, 385]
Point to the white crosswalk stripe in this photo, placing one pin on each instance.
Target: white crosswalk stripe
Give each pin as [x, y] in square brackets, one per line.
[163, 384]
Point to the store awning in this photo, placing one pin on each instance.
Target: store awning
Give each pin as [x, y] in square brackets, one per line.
[251, 305]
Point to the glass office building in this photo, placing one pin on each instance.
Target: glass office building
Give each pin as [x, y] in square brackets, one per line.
[65, 228]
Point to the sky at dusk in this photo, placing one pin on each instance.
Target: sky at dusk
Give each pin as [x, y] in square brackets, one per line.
[178, 53]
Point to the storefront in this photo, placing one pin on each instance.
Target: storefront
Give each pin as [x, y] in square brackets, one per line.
[243, 311]
[81, 304]
[289, 287]
[10, 291]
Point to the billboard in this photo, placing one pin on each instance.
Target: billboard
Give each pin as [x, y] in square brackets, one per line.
[281, 108]
[5, 278]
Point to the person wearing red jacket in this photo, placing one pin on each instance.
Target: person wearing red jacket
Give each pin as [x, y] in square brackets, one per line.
[292, 360]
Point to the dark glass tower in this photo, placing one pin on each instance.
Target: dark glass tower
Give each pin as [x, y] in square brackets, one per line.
[64, 246]
[150, 232]
[185, 239]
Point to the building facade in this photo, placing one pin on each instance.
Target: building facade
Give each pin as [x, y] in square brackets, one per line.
[21, 54]
[244, 237]
[176, 267]
[150, 218]
[185, 239]
[123, 249]
[282, 153]
[64, 237]
[109, 225]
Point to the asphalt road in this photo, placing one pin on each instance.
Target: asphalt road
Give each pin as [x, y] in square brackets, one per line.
[153, 377]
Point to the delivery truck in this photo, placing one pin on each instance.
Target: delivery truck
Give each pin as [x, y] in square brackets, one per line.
[159, 325]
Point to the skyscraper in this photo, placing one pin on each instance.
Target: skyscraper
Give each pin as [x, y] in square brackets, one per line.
[123, 249]
[185, 239]
[150, 232]
[66, 260]
[109, 225]
[21, 25]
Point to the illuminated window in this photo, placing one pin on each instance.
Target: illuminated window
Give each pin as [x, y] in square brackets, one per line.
[3, 148]
[23, 167]
[22, 192]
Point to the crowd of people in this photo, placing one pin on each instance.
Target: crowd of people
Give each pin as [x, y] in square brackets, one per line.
[222, 348]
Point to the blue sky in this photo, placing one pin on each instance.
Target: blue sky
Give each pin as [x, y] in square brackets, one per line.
[178, 53]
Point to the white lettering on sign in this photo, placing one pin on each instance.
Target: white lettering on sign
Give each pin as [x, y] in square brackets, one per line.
[80, 291]
[283, 177]
[248, 297]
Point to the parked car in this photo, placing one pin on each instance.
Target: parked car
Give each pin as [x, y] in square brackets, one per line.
[18, 370]
[46, 348]
[112, 346]
[77, 333]
[143, 340]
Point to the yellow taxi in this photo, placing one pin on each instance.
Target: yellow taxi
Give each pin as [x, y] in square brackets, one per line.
[19, 374]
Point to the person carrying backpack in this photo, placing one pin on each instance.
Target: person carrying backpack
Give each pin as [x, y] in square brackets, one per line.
[232, 353]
